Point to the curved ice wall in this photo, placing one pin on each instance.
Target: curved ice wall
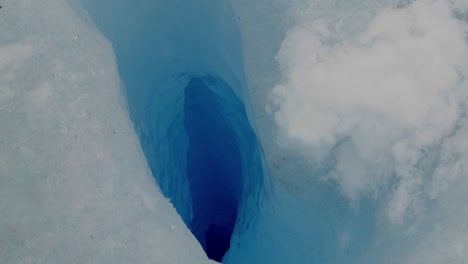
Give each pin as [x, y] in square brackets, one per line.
[360, 108]
[364, 133]
[181, 65]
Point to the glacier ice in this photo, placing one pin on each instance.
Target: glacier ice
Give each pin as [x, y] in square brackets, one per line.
[370, 102]
[74, 184]
[184, 82]
[359, 108]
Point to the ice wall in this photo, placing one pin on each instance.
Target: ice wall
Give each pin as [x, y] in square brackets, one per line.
[182, 67]
[370, 106]
[74, 183]
[360, 108]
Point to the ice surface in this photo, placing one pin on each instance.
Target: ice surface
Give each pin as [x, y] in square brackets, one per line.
[182, 67]
[371, 111]
[360, 108]
[74, 184]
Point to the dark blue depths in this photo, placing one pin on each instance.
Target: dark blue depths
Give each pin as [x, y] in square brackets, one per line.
[181, 65]
[214, 169]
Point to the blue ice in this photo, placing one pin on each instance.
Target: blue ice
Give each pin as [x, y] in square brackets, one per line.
[182, 67]
[299, 131]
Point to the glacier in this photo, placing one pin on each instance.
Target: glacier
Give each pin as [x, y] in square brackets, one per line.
[242, 131]
[75, 186]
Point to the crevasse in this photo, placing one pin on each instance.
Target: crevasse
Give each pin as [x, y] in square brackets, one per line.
[365, 138]
[182, 68]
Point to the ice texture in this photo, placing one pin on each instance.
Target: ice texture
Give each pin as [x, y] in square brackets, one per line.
[359, 108]
[182, 67]
[369, 98]
[74, 183]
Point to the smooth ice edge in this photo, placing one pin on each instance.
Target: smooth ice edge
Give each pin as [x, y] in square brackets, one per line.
[74, 184]
[161, 47]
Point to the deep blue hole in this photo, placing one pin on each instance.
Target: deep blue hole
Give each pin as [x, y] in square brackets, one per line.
[182, 69]
[214, 169]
